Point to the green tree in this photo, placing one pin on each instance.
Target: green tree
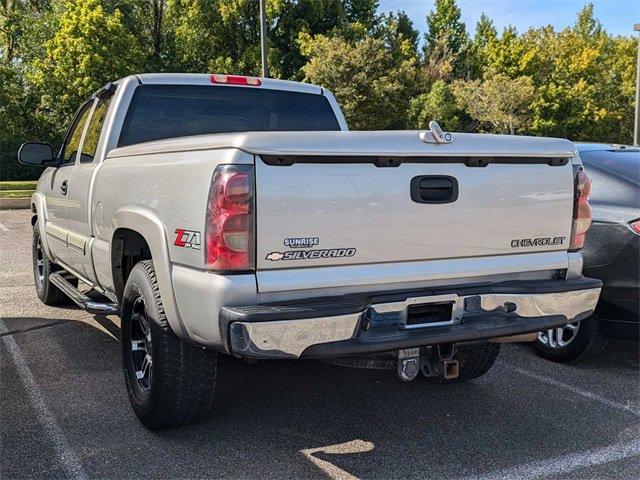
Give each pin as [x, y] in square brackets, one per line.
[585, 82]
[11, 18]
[16, 17]
[398, 35]
[404, 28]
[193, 28]
[361, 11]
[438, 104]
[486, 35]
[499, 103]
[17, 125]
[587, 26]
[20, 20]
[485, 32]
[10, 95]
[445, 21]
[446, 37]
[353, 19]
[510, 54]
[440, 62]
[223, 35]
[146, 20]
[373, 90]
[90, 47]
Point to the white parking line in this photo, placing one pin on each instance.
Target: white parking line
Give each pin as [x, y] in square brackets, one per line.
[3, 228]
[331, 470]
[564, 464]
[66, 455]
[576, 390]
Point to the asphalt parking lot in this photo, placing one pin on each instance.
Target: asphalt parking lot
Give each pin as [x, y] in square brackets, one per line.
[64, 412]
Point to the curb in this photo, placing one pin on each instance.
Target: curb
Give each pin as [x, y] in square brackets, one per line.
[14, 203]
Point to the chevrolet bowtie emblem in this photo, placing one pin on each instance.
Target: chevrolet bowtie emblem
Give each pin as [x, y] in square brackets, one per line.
[275, 256]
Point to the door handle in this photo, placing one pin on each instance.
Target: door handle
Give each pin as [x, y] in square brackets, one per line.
[434, 189]
[64, 187]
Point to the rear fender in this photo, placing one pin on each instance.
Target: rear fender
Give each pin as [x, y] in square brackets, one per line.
[147, 224]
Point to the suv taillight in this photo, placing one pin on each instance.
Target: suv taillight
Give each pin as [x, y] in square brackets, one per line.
[229, 231]
[581, 209]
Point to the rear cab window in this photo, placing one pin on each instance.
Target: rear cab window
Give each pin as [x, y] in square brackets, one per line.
[159, 112]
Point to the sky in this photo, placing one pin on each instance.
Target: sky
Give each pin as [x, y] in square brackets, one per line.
[617, 16]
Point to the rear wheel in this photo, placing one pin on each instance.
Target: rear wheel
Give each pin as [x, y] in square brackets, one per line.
[170, 382]
[473, 362]
[48, 293]
[569, 342]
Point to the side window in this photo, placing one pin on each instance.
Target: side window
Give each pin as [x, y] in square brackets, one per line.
[90, 143]
[72, 142]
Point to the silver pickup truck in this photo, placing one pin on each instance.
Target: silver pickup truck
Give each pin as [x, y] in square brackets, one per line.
[238, 215]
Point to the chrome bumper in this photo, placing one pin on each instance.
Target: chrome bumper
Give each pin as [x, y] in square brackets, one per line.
[474, 317]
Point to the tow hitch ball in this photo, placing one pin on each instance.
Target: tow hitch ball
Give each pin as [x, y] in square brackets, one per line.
[431, 362]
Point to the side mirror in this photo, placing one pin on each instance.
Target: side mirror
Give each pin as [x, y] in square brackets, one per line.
[39, 154]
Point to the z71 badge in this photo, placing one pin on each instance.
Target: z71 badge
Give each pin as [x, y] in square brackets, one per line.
[187, 239]
[311, 254]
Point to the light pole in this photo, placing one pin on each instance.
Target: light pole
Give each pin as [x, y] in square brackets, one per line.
[263, 38]
[636, 126]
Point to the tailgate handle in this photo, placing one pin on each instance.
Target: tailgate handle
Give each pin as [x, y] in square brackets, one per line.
[434, 189]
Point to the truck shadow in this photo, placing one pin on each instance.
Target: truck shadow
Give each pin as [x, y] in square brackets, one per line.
[309, 419]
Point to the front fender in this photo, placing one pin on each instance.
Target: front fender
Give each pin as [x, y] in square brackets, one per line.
[147, 224]
[39, 208]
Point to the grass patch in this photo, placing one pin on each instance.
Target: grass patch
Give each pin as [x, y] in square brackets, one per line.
[16, 193]
[18, 185]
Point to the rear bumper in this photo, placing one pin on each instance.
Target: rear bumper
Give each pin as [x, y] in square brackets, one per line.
[377, 323]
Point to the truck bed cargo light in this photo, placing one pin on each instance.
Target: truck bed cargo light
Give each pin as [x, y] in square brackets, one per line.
[235, 79]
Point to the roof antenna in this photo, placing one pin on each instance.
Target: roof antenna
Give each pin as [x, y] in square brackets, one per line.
[435, 134]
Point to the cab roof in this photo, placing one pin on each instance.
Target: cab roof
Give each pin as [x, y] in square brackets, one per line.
[204, 79]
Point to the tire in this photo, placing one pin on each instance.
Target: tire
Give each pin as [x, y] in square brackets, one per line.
[474, 361]
[176, 387]
[587, 343]
[48, 293]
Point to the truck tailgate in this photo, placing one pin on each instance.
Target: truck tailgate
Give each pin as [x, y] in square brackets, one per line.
[324, 213]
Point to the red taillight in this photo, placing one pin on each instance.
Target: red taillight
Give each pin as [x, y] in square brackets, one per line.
[581, 209]
[235, 79]
[635, 226]
[229, 232]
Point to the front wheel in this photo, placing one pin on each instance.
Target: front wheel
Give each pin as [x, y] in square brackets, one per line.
[569, 342]
[170, 382]
[43, 267]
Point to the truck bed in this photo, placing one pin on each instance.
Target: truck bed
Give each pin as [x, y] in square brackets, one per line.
[348, 195]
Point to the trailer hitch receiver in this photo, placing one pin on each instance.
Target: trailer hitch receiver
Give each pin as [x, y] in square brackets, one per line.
[438, 361]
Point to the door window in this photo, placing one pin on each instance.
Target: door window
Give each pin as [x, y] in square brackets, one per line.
[72, 141]
[90, 143]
